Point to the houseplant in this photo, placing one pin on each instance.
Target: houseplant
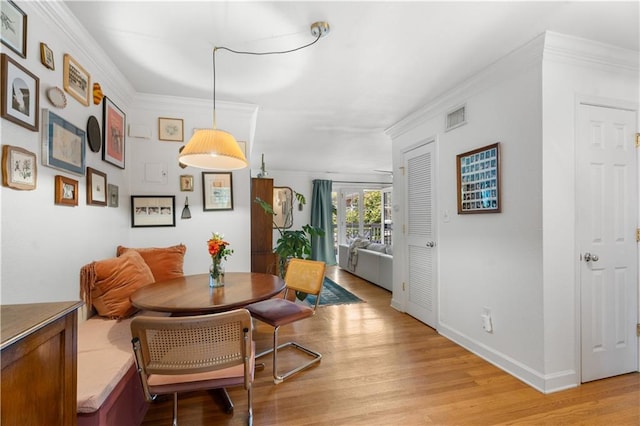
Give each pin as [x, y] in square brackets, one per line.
[291, 243]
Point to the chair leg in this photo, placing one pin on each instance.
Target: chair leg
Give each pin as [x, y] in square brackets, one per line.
[279, 378]
[250, 405]
[175, 409]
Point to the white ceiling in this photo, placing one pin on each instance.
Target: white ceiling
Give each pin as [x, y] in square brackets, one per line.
[325, 108]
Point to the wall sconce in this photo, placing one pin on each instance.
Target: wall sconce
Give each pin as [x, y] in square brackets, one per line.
[186, 213]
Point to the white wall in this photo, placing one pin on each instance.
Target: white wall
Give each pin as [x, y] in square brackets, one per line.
[44, 245]
[521, 263]
[487, 260]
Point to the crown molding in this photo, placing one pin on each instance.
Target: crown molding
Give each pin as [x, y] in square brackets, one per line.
[569, 49]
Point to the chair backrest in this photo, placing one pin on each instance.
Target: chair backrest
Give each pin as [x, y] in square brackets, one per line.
[305, 275]
[193, 344]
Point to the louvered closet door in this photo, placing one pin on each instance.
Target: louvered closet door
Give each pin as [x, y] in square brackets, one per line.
[420, 274]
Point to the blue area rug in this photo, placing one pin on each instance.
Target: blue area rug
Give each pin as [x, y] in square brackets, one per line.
[333, 294]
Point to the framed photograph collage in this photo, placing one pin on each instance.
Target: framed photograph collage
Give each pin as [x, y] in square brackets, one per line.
[478, 179]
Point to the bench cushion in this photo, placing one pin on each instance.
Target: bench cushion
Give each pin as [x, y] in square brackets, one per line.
[104, 356]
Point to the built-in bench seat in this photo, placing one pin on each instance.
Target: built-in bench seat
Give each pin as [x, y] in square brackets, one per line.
[109, 388]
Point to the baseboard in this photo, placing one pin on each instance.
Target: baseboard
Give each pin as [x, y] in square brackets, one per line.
[543, 383]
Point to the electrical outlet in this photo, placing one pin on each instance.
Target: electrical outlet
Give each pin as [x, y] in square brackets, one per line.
[487, 322]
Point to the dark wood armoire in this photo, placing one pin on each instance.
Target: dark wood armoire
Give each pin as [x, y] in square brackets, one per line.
[262, 257]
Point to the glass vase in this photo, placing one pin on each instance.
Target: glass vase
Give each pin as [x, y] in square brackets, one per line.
[216, 273]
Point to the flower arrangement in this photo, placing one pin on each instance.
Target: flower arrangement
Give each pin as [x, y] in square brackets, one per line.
[219, 250]
[218, 247]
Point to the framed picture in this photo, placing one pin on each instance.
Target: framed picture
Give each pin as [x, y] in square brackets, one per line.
[46, 57]
[66, 191]
[13, 30]
[96, 187]
[113, 125]
[20, 94]
[113, 194]
[282, 207]
[186, 182]
[76, 80]
[63, 144]
[19, 169]
[217, 191]
[170, 129]
[478, 173]
[153, 210]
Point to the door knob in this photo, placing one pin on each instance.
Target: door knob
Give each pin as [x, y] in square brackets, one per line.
[431, 244]
[588, 257]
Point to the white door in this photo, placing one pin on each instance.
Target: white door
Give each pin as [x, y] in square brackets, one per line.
[607, 200]
[420, 285]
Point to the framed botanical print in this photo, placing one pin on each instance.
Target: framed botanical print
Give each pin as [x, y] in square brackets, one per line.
[113, 125]
[63, 144]
[478, 173]
[96, 187]
[217, 191]
[66, 191]
[153, 210]
[20, 94]
[76, 80]
[170, 129]
[13, 30]
[19, 169]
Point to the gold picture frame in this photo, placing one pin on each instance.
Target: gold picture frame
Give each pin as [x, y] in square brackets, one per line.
[19, 168]
[186, 183]
[46, 56]
[76, 80]
[66, 191]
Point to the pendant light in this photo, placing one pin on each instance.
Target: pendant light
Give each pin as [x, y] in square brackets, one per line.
[216, 149]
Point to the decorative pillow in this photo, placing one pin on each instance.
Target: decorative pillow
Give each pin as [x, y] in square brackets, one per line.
[380, 248]
[165, 263]
[115, 280]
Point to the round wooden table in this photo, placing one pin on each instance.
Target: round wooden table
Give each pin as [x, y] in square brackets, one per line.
[191, 294]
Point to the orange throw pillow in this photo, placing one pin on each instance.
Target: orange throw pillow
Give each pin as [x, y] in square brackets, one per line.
[115, 280]
[165, 263]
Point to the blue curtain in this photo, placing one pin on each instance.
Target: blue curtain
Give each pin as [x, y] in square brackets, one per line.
[321, 209]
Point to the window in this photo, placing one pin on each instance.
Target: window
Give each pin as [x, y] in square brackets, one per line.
[365, 213]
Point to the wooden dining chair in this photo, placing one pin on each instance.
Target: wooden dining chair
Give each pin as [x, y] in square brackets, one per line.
[306, 276]
[179, 354]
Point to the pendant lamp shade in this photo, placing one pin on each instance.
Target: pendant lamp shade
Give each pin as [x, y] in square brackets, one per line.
[213, 149]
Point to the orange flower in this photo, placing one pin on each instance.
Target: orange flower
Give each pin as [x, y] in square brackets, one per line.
[218, 247]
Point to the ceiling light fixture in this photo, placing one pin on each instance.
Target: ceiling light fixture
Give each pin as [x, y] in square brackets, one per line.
[216, 149]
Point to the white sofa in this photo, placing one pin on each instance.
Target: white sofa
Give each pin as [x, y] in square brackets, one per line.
[370, 261]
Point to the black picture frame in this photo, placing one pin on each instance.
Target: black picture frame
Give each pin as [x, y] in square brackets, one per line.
[478, 180]
[113, 136]
[217, 191]
[153, 211]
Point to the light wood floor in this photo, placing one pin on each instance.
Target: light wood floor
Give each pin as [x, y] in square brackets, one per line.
[382, 367]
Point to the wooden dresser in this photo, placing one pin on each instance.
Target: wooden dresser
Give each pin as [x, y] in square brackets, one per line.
[39, 363]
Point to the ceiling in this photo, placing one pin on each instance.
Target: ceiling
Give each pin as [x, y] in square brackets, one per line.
[325, 108]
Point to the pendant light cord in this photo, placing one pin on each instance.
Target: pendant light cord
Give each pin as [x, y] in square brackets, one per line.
[240, 52]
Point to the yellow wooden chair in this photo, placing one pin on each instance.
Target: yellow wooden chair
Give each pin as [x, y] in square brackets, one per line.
[306, 276]
[180, 354]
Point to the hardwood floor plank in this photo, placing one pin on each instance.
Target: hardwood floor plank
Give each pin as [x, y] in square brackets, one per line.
[383, 367]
